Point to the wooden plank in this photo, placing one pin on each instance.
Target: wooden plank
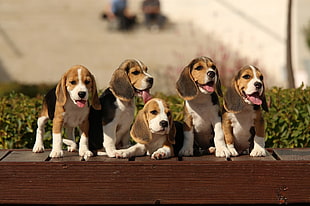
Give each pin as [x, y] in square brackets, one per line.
[247, 157]
[25, 156]
[150, 182]
[3, 153]
[295, 154]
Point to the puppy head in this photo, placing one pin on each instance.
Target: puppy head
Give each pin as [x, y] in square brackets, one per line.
[80, 86]
[130, 79]
[200, 75]
[154, 118]
[247, 88]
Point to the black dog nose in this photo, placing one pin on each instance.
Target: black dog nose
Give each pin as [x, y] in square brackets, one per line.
[163, 123]
[150, 80]
[82, 94]
[258, 85]
[211, 74]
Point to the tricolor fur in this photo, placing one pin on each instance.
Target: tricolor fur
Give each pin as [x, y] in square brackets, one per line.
[68, 106]
[243, 124]
[129, 80]
[154, 132]
[197, 85]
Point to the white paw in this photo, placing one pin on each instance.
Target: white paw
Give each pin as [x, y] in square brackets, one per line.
[72, 148]
[56, 153]
[222, 152]
[160, 154]
[186, 151]
[110, 152]
[232, 150]
[122, 154]
[85, 153]
[258, 152]
[38, 148]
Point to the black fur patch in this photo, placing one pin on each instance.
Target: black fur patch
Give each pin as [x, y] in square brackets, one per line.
[50, 101]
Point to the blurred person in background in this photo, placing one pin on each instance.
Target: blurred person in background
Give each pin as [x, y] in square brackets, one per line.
[117, 13]
[153, 18]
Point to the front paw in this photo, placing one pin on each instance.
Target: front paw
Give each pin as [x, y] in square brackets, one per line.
[121, 154]
[186, 151]
[38, 148]
[258, 152]
[222, 152]
[232, 150]
[56, 153]
[160, 154]
[85, 153]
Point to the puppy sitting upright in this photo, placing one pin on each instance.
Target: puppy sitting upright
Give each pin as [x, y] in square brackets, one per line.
[243, 124]
[68, 105]
[153, 130]
[129, 80]
[198, 84]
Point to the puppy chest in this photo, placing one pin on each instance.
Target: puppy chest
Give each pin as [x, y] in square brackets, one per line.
[241, 124]
[73, 118]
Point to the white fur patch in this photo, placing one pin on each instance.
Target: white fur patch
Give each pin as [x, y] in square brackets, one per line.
[57, 146]
[154, 124]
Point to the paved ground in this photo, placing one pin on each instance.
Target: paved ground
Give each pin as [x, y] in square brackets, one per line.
[40, 40]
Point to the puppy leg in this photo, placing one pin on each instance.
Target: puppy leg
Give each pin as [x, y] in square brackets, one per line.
[70, 142]
[57, 127]
[133, 151]
[162, 153]
[228, 135]
[57, 146]
[83, 148]
[188, 144]
[259, 140]
[220, 146]
[109, 139]
[38, 145]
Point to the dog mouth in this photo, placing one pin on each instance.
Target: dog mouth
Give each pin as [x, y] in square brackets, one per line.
[209, 86]
[145, 94]
[81, 103]
[254, 98]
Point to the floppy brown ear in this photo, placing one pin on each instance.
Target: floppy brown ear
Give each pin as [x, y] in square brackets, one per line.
[61, 91]
[121, 86]
[140, 130]
[95, 99]
[233, 102]
[219, 86]
[264, 103]
[172, 132]
[186, 86]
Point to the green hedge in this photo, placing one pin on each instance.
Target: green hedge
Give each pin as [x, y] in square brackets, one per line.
[287, 122]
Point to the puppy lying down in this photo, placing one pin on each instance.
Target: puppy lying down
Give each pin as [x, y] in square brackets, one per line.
[153, 130]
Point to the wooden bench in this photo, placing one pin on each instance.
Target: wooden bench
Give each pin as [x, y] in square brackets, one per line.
[281, 177]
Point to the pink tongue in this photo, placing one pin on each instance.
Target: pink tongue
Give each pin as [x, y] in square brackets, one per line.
[146, 96]
[208, 88]
[81, 103]
[255, 100]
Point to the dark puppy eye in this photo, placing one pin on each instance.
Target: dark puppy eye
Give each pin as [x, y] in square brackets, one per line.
[213, 67]
[261, 78]
[73, 82]
[135, 72]
[168, 113]
[199, 68]
[246, 76]
[87, 81]
[154, 112]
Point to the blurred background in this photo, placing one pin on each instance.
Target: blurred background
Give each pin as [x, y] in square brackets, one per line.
[40, 40]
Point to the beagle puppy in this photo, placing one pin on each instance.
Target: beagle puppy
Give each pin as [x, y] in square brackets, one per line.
[68, 106]
[243, 124]
[129, 80]
[153, 130]
[199, 84]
